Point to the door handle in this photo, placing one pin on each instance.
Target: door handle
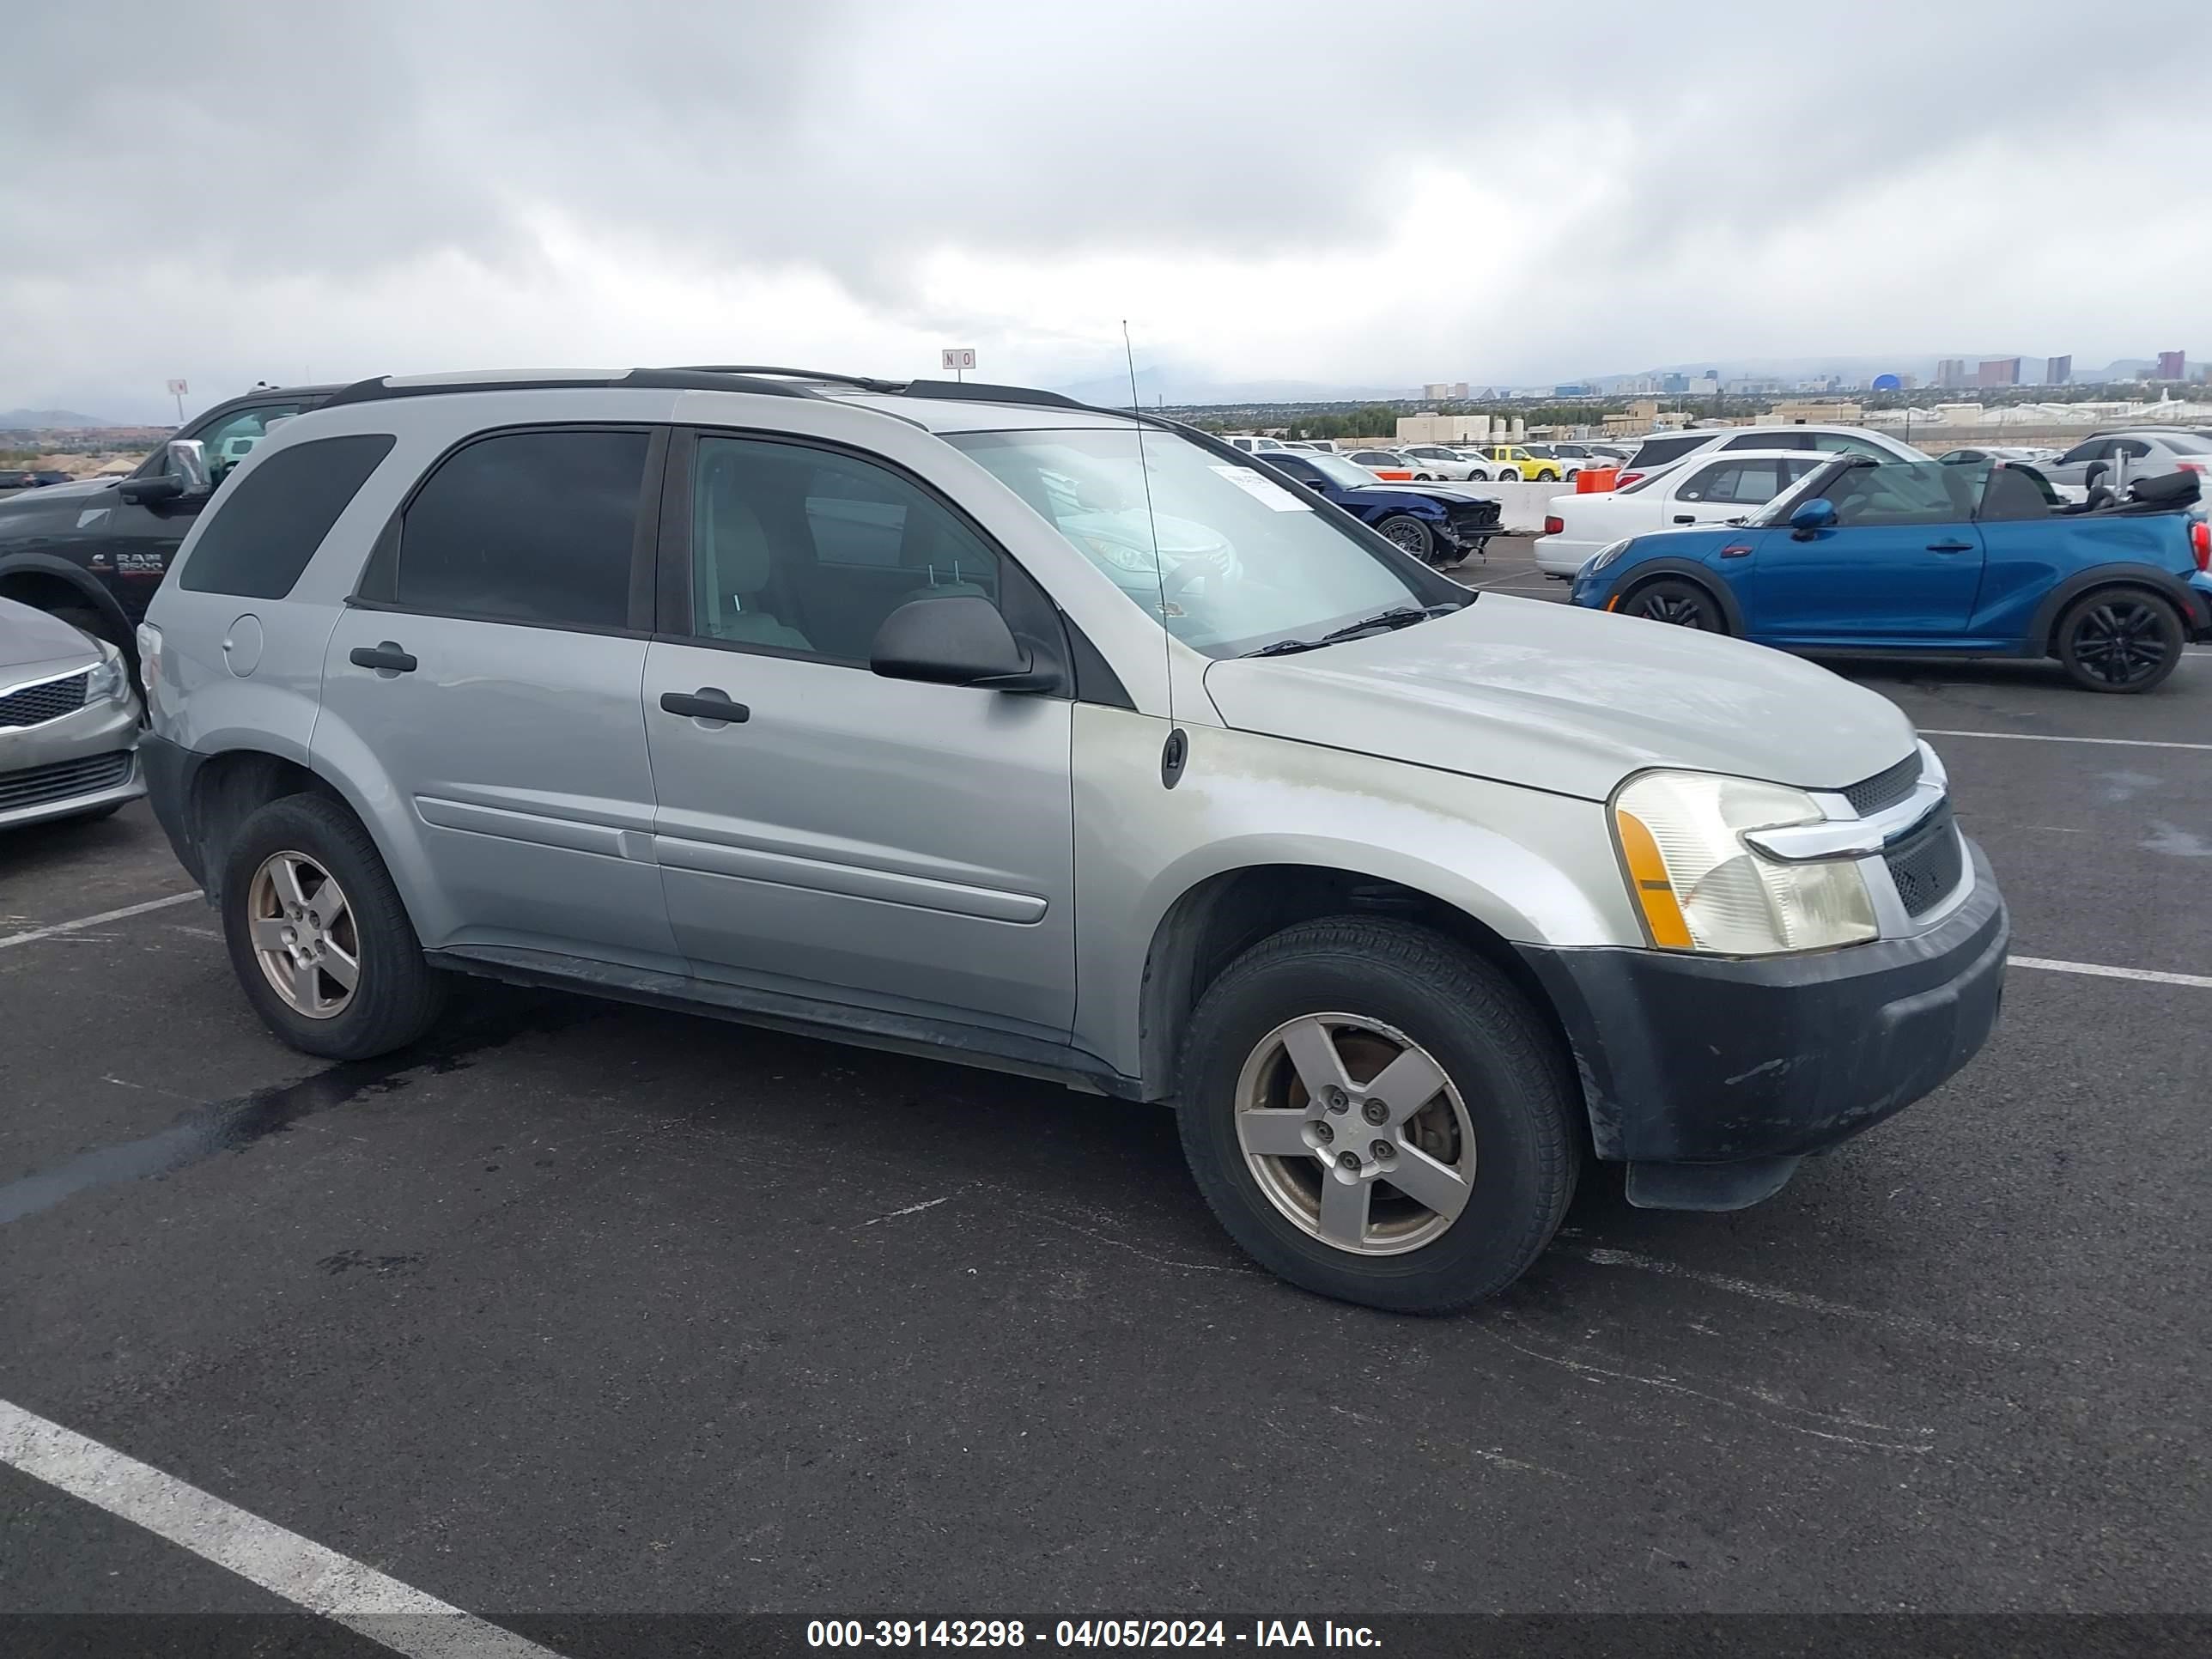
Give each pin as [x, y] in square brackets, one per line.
[709, 702]
[1950, 547]
[386, 658]
[1685, 518]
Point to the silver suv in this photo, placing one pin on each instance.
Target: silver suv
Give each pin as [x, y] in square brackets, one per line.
[972, 721]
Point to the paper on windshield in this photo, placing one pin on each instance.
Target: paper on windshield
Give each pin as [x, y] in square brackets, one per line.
[1264, 489]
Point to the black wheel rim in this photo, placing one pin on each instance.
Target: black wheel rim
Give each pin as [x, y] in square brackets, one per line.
[2120, 642]
[1672, 605]
[1409, 535]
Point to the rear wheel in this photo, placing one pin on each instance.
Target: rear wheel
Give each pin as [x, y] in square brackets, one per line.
[1547, 476]
[1677, 600]
[1376, 1114]
[2121, 639]
[1410, 533]
[318, 936]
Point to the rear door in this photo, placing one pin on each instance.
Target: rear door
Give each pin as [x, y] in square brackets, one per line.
[1902, 564]
[490, 666]
[881, 843]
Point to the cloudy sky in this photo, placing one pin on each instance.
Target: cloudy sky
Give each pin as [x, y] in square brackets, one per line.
[1331, 192]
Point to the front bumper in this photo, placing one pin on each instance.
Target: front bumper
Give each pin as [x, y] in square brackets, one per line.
[80, 763]
[1740, 1066]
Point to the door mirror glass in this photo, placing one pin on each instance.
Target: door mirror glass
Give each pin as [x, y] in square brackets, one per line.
[183, 477]
[958, 640]
[1813, 515]
[1314, 484]
[184, 464]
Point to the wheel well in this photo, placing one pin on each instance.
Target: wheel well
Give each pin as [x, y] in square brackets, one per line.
[43, 591]
[2065, 608]
[1223, 916]
[1669, 572]
[228, 789]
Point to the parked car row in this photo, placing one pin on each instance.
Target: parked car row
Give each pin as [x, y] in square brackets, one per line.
[1430, 463]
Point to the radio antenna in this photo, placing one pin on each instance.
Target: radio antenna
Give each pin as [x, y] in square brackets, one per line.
[1152, 526]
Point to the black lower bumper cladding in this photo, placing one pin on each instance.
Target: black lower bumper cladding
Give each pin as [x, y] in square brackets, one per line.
[1723, 1071]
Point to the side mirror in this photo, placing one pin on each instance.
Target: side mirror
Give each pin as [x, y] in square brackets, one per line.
[183, 477]
[1314, 484]
[1812, 516]
[959, 640]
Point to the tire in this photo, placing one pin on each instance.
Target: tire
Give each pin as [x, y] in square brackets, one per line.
[1501, 1124]
[1677, 600]
[396, 995]
[1547, 478]
[2124, 640]
[1410, 533]
[1425, 478]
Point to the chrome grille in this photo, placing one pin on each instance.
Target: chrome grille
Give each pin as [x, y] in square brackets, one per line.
[1885, 789]
[49, 700]
[36, 786]
[1926, 863]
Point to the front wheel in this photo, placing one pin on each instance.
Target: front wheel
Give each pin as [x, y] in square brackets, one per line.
[1377, 1115]
[1677, 600]
[2122, 638]
[318, 936]
[1410, 533]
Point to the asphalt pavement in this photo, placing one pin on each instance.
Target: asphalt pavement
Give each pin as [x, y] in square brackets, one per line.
[585, 1310]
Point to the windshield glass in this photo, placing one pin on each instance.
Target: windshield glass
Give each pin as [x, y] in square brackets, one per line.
[1242, 558]
[1890, 492]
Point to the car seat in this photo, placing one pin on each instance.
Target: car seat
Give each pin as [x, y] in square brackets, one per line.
[737, 568]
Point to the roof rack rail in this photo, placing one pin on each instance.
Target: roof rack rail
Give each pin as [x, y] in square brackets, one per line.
[862, 382]
[383, 387]
[982, 392]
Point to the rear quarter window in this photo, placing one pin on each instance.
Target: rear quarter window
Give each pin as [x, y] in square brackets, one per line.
[268, 523]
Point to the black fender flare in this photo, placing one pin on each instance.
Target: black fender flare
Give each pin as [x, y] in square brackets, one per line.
[2044, 623]
[1723, 596]
[96, 598]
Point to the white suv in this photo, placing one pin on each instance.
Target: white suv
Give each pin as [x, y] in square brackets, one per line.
[972, 722]
[1663, 447]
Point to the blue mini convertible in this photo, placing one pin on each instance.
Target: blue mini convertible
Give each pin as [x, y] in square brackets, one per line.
[1975, 559]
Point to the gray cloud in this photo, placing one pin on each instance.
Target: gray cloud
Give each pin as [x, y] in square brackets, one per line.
[392, 184]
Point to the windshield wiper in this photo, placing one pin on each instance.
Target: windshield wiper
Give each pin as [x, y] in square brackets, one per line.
[1401, 615]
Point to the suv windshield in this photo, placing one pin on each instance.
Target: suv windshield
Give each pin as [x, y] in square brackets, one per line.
[1227, 556]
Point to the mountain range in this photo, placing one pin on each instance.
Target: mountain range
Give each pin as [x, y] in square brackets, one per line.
[21, 420]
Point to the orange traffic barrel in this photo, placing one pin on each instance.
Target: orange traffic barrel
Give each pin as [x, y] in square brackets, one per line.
[1596, 480]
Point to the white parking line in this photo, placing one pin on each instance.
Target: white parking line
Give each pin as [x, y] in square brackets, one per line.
[83, 922]
[2044, 737]
[330, 1585]
[2098, 971]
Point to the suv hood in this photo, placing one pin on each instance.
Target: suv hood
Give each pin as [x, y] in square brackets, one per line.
[1573, 701]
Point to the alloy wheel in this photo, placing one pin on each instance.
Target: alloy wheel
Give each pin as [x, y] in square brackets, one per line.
[304, 936]
[1355, 1134]
[2119, 642]
[1675, 605]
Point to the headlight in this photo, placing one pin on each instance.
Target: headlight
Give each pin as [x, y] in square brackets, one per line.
[1605, 555]
[107, 680]
[1698, 886]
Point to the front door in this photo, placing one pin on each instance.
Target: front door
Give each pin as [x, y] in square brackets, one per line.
[491, 672]
[879, 842]
[1902, 562]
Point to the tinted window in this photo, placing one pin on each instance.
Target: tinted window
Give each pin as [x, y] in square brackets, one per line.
[263, 532]
[1771, 440]
[527, 527]
[2095, 449]
[1653, 451]
[808, 550]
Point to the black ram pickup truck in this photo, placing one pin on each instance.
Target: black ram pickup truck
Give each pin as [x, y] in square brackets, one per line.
[93, 553]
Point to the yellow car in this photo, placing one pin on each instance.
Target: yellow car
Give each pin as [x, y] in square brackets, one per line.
[1530, 466]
